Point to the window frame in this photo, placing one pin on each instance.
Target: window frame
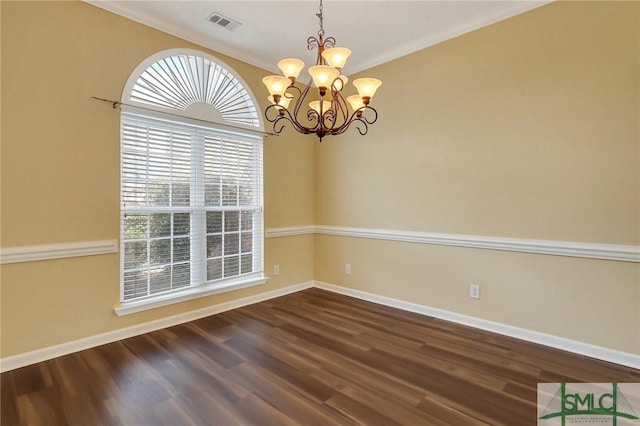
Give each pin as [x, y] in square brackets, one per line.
[202, 287]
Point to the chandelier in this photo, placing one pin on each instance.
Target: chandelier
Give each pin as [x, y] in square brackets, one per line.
[320, 106]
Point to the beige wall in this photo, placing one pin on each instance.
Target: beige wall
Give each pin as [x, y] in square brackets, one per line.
[526, 129]
[60, 171]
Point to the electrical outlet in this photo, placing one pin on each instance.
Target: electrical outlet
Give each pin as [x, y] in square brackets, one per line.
[276, 269]
[474, 291]
[347, 269]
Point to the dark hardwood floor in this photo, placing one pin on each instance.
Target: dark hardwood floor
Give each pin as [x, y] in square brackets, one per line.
[309, 358]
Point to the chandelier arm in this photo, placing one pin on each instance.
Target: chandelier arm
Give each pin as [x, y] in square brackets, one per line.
[283, 114]
[293, 119]
[364, 124]
[329, 42]
[317, 44]
[302, 98]
[321, 126]
[295, 88]
[276, 129]
[296, 124]
[329, 116]
[272, 109]
[365, 118]
[356, 121]
[278, 123]
[313, 43]
[290, 95]
[339, 106]
[313, 115]
[334, 86]
[361, 122]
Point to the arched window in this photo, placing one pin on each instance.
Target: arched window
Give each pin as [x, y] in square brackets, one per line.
[191, 182]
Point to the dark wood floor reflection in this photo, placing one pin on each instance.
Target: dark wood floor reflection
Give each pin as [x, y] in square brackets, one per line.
[309, 358]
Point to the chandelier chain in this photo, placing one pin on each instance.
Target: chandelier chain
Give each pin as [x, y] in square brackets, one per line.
[320, 16]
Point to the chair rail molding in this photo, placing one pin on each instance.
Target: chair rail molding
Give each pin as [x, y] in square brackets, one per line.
[57, 251]
[289, 231]
[621, 253]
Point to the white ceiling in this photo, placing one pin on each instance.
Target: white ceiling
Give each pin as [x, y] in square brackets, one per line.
[375, 31]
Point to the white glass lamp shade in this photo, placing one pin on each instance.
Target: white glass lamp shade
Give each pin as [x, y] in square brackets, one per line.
[367, 86]
[291, 67]
[276, 84]
[284, 101]
[336, 56]
[315, 105]
[355, 101]
[323, 75]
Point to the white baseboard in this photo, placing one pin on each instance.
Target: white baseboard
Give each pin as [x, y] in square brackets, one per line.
[593, 351]
[28, 358]
[581, 348]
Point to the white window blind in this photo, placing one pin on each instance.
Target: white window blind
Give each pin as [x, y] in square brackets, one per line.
[191, 206]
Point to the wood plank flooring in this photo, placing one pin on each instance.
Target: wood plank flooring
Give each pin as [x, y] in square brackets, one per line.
[309, 358]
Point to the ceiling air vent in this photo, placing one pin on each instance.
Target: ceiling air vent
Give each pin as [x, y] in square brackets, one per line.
[223, 21]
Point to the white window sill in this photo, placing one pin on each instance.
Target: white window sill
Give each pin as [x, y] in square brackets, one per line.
[189, 293]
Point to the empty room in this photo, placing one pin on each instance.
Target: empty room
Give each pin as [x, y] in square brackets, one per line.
[320, 213]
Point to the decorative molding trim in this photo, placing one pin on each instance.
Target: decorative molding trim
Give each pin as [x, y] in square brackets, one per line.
[450, 32]
[558, 248]
[21, 360]
[581, 348]
[290, 231]
[620, 253]
[57, 251]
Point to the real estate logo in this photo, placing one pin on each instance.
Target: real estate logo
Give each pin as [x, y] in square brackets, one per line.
[614, 404]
